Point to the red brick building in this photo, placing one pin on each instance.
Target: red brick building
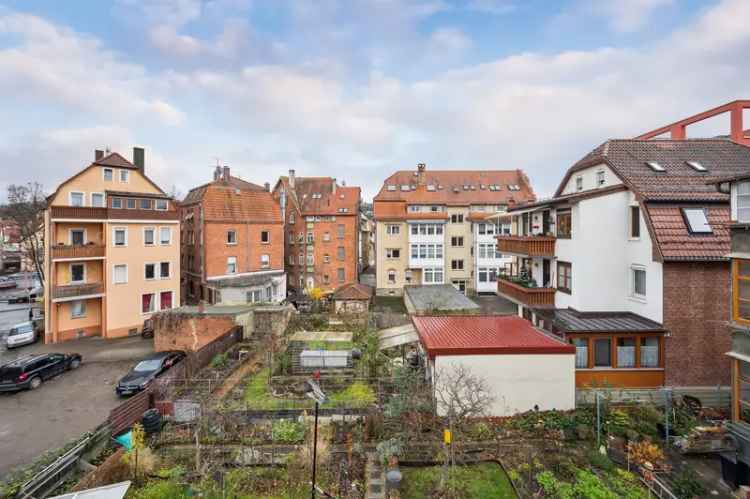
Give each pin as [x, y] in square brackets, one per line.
[321, 231]
[232, 243]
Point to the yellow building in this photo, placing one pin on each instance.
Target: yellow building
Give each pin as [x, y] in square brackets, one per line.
[113, 251]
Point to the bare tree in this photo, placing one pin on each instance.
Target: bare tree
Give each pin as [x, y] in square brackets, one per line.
[460, 394]
[26, 204]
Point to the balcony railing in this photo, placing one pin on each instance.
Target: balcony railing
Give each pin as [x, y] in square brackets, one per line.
[76, 290]
[78, 212]
[91, 213]
[527, 245]
[531, 297]
[77, 251]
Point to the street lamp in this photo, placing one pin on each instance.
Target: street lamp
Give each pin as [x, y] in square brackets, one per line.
[314, 392]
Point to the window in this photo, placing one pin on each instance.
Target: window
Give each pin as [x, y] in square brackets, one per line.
[638, 282]
[232, 265]
[77, 273]
[650, 351]
[457, 241]
[392, 230]
[635, 222]
[564, 223]
[265, 237]
[148, 303]
[301, 258]
[582, 352]
[291, 259]
[741, 290]
[164, 270]
[310, 238]
[161, 204]
[457, 264]
[120, 236]
[77, 237]
[232, 236]
[149, 271]
[483, 274]
[117, 203]
[120, 274]
[145, 204]
[131, 204]
[291, 218]
[393, 253]
[564, 277]
[165, 300]
[340, 253]
[165, 235]
[124, 176]
[291, 238]
[76, 199]
[77, 309]
[579, 183]
[326, 236]
[457, 218]
[108, 174]
[391, 276]
[433, 275]
[327, 258]
[148, 236]
[340, 274]
[743, 202]
[486, 229]
[655, 166]
[600, 178]
[265, 261]
[254, 296]
[696, 221]
[603, 352]
[97, 199]
[625, 352]
[340, 231]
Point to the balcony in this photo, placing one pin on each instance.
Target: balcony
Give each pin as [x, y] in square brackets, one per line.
[77, 251]
[78, 212]
[91, 213]
[527, 245]
[531, 297]
[73, 291]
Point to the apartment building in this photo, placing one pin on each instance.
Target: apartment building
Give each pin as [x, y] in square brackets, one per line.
[322, 232]
[628, 261]
[439, 226]
[113, 250]
[232, 243]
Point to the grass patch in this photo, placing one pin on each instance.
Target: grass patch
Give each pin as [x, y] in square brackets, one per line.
[485, 480]
[357, 395]
[329, 345]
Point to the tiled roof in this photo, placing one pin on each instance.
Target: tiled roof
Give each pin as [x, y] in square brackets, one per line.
[196, 194]
[674, 240]
[484, 335]
[396, 210]
[235, 200]
[353, 291]
[316, 196]
[138, 194]
[573, 321]
[115, 160]
[457, 187]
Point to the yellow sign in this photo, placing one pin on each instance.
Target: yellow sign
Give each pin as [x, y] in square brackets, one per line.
[447, 436]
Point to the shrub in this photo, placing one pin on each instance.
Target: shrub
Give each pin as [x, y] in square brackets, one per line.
[601, 461]
[287, 431]
[685, 486]
[161, 490]
[218, 361]
[645, 451]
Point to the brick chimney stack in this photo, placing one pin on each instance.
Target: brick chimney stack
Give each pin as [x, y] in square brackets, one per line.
[139, 159]
[217, 173]
[225, 174]
[421, 167]
[333, 185]
[291, 179]
[267, 186]
[98, 154]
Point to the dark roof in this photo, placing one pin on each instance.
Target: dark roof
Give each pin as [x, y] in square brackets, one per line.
[573, 321]
[484, 335]
[443, 297]
[353, 291]
[676, 243]
[115, 160]
[139, 194]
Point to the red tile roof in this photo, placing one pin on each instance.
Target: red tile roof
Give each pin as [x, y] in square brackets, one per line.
[317, 196]
[353, 291]
[115, 160]
[235, 200]
[675, 242]
[484, 335]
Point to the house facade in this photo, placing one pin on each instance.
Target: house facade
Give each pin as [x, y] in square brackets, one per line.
[113, 250]
[628, 262]
[321, 232]
[232, 243]
[437, 227]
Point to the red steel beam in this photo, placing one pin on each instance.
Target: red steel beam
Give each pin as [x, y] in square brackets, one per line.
[677, 130]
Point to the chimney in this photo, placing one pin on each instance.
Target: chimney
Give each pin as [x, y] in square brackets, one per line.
[291, 179]
[225, 174]
[98, 154]
[333, 185]
[217, 173]
[267, 186]
[421, 167]
[139, 159]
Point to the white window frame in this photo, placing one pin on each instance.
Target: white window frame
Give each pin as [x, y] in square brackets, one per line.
[579, 183]
[636, 296]
[268, 237]
[153, 243]
[104, 174]
[265, 261]
[739, 195]
[74, 229]
[232, 243]
[117, 199]
[156, 204]
[393, 229]
[114, 237]
[104, 199]
[168, 276]
[124, 176]
[80, 315]
[114, 273]
[389, 253]
[83, 197]
[70, 270]
[169, 243]
[154, 308]
[232, 260]
[158, 305]
[156, 271]
[601, 178]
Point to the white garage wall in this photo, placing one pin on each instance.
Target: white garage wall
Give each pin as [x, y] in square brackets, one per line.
[518, 382]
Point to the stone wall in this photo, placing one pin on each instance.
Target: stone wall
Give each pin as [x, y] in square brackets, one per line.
[189, 332]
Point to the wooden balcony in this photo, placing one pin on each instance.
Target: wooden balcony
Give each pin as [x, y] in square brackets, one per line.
[90, 213]
[77, 290]
[531, 297]
[78, 212]
[77, 251]
[527, 245]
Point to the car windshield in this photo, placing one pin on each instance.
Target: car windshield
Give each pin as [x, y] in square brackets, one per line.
[23, 328]
[147, 365]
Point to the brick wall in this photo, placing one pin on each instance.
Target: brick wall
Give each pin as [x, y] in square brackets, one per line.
[696, 313]
[247, 250]
[189, 333]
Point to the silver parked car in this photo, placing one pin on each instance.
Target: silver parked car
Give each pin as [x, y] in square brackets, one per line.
[25, 333]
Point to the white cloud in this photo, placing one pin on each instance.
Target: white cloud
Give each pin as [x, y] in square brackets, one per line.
[496, 7]
[626, 16]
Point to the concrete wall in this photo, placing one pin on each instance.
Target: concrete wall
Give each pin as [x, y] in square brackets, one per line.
[519, 382]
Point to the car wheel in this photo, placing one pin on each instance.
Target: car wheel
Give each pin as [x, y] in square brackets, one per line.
[75, 363]
[35, 382]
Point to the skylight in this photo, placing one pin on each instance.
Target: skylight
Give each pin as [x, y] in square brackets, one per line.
[391, 187]
[696, 220]
[696, 166]
[404, 187]
[655, 166]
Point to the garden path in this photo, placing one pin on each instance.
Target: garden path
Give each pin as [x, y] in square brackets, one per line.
[252, 364]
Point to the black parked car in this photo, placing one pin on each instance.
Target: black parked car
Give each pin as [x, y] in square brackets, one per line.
[146, 371]
[30, 371]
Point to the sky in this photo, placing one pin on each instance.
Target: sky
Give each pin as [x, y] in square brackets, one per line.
[354, 89]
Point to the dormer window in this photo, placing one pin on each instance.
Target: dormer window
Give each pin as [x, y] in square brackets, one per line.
[697, 166]
[655, 166]
[696, 220]
[391, 188]
[404, 187]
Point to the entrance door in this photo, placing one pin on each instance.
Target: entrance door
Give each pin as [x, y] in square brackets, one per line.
[460, 285]
[546, 273]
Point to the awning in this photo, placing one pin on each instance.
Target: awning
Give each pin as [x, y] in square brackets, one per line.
[397, 336]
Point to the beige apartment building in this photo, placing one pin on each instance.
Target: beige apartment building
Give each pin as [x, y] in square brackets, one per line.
[439, 226]
[113, 250]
